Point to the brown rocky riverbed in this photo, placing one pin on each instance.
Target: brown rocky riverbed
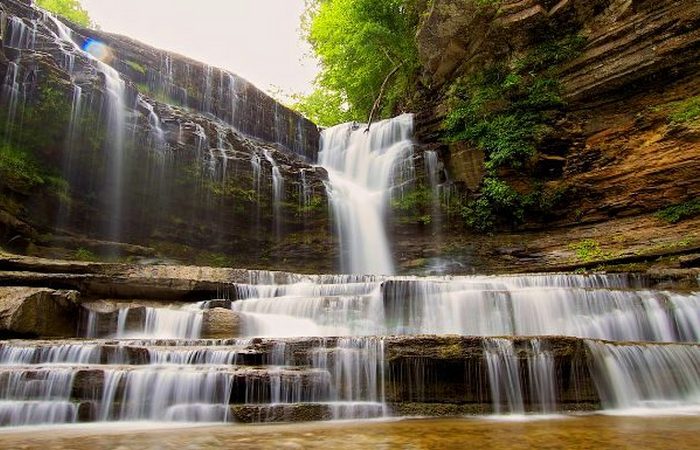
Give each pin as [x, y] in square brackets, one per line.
[579, 432]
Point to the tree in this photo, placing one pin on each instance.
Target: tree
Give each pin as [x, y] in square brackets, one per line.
[359, 43]
[69, 9]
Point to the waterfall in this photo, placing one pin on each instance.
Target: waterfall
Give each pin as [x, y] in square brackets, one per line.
[277, 194]
[115, 89]
[570, 305]
[361, 170]
[149, 362]
[504, 376]
[157, 323]
[12, 95]
[207, 98]
[647, 377]
[153, 121]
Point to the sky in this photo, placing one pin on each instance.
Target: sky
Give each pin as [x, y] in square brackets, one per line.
[256, 39]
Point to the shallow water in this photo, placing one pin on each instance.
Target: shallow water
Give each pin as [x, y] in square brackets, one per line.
[579, 432]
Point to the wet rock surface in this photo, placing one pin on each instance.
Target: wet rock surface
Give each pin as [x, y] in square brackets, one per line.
[197, 141]
[220, 323]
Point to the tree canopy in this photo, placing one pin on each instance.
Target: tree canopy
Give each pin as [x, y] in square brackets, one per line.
[359, 43]
[70, 9]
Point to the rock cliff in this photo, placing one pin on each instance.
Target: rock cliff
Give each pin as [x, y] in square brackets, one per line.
[622, 145]
[114, 148]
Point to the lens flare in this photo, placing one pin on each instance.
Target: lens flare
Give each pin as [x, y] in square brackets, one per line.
[98, 49]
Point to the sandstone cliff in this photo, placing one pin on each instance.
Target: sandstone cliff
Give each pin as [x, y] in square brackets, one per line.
[616, 152]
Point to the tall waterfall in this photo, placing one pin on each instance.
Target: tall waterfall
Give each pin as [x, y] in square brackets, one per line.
[362, 170]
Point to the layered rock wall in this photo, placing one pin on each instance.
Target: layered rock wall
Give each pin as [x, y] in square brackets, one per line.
[165, 156]
[614, 155]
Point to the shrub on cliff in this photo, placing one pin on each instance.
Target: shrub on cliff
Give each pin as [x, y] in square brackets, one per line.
[506, 110]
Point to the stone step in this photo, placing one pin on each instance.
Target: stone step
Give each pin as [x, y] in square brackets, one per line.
[109, 353]
[88, 382]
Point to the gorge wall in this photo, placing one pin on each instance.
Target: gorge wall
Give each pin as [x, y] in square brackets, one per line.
[112, 148]
[617, 143]
[115, 149]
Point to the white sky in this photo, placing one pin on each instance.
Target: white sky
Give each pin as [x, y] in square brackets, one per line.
[256, 39]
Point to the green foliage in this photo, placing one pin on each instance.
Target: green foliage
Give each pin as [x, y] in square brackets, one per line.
[676, 213]
[18, 169]
[504, 111]
[323, 106]
[69, 9]
[498, 203]
[418, 199]
[415, 206]
[501, 113]
[83, 254]
[551, 53]
[44, 123]
[34, 141]
[359, 43]
[686, 111]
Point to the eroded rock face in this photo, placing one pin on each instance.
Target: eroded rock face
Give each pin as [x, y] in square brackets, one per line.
[194, 177]
[614, 153]
[38, 312]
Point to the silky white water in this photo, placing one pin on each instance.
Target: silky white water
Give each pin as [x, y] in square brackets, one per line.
[598, 307]
[362, 172]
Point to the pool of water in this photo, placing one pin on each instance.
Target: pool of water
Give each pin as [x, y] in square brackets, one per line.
[574, 432]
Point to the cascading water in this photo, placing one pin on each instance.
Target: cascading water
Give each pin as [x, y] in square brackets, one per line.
[115, 89]
[149, 363]
[647, 377]
[586, 307]
[361, 171]
[277, 193]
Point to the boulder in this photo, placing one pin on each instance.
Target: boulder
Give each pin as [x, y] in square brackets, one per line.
[38, 312]
[220, 323]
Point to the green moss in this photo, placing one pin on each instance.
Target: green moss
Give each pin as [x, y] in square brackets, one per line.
[687, 111]
[19, 171]
[157, 94]
[83, 254]
[681, 211]
[315, 203]
[587, 250]
[136, 67]
[212, 259]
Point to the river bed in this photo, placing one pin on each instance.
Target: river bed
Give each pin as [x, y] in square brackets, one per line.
[574, 432]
